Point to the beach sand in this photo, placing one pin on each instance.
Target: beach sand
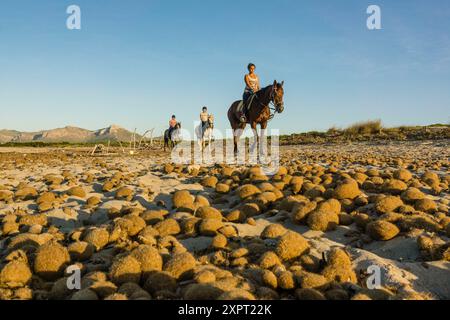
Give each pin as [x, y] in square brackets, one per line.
[234, 233]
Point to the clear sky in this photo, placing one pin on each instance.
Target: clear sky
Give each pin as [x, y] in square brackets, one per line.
[136, 62]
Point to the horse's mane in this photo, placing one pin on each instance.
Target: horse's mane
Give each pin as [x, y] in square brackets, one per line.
[259, 94]
[264, 89]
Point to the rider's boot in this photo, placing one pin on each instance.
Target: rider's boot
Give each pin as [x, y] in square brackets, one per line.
[242, 117]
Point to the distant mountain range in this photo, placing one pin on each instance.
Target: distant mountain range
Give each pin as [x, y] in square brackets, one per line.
[68, 134]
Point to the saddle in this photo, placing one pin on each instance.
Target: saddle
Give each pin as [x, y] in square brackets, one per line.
[245, 107]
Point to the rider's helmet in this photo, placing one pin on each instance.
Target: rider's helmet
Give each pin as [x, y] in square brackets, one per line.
[205, 108]
[173, 117]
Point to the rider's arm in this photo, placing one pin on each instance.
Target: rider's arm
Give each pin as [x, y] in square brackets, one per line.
[247, 82]
[259, 87]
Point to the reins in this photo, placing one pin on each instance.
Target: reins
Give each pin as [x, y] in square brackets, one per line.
[271, 105]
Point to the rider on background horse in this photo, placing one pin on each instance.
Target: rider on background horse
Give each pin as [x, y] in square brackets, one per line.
[251, 87]
[204, 116]
[172, 123]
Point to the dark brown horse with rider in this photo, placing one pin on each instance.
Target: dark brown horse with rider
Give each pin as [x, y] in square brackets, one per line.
[259, 111]
[171, 137]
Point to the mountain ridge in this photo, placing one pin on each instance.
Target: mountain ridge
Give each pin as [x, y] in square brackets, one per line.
[68, 134]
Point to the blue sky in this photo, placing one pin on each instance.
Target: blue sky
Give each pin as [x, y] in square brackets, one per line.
[134, 63]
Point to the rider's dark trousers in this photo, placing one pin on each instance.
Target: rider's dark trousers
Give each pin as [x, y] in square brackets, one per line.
[204, 127]
[247, 94]
[170, 132]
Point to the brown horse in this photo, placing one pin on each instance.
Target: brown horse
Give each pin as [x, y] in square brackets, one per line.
[258, 112]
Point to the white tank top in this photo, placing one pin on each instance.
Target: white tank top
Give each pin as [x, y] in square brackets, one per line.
[253, 83]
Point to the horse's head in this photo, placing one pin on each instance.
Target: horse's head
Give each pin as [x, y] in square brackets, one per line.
[211, 121]
[277, 96]
[178, 125]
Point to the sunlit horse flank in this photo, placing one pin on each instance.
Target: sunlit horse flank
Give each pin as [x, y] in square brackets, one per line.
[258, 113]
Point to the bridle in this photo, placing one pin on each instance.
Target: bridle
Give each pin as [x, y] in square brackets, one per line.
[210, 123]
[272, 106]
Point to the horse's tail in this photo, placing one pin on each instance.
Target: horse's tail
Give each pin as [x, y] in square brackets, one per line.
[232, 114]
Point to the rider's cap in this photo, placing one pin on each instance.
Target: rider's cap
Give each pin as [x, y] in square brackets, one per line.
[173, 116]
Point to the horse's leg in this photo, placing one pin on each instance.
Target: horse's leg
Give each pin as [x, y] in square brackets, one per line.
[255, 136]
[237, 137]
[202, 141]
[209, 139]
[235, 141]
[263, 140]
[207, 143]
[211, 146]
[199, 138]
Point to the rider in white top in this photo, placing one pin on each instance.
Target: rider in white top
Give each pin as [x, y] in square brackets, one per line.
[251, 87]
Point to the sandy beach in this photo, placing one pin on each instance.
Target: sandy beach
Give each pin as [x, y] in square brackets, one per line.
[139, 227]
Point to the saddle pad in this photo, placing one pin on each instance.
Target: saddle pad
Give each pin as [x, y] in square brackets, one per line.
[240, 106]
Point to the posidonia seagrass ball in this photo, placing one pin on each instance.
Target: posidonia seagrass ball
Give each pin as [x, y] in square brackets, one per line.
[51, 260]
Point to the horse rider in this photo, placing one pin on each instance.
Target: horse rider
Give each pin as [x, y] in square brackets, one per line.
[172, 123]
[251, 87]
[204, 118]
